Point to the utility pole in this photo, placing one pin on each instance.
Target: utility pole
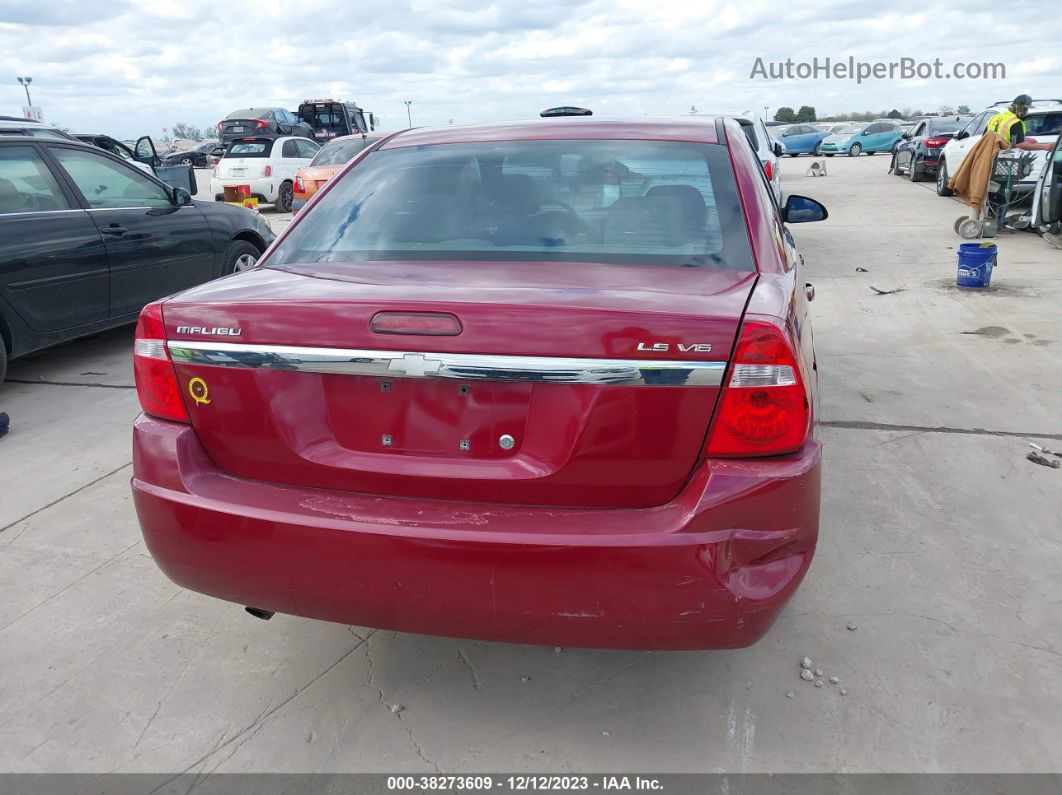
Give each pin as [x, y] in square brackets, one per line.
[25, 83]
[409, 116]
[765, 118]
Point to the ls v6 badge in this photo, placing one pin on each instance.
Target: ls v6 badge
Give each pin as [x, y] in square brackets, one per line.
[682, 347]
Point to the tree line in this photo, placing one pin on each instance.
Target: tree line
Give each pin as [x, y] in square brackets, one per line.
[807, 113]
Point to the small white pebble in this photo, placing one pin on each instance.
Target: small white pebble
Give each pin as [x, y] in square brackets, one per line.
[525, 678]
[557, 649]
[806, 663]
[844, 692]
[790, 694]
[606, 734]
[807, 675]
[396, 708]
[851, 626]
[818, 683]
[818, 672]
[834, 680]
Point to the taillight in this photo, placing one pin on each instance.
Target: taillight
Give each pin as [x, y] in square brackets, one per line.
[156, 380]
[437, 324]
[267, 171]
[218, 128]
[935, 142]
[261, 123]
[768, 169]
[764, 408]
[300, 186]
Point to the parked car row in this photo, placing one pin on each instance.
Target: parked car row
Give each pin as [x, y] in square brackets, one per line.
[87, 238]
[316, 119]
[937, 145]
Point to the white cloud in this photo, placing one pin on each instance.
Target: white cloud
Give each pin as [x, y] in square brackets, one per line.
[129, 68]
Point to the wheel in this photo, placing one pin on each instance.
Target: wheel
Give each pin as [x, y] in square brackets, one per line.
[818, 149]
[855, 150]
[3, 360]
[283, 202]
[913, 172]
[240, 256]
[942, 179]
[958, 222]
[970, 228]
[186, 161]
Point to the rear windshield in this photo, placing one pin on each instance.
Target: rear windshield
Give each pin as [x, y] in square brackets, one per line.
[946, 125]
[249, 113]
[623, 202]
[327, 116]
[249, 149]
[1043, 124]
[339, 152]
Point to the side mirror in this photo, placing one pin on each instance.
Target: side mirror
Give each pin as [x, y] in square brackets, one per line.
[866, 132]
[778, 148]
[906, 136]
[802, 210]
[961, 134]
[181, 197]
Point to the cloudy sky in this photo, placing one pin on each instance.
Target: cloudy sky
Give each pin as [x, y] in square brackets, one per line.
[130, 68]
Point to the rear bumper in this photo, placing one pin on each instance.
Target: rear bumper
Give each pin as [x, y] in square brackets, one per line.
[712, 569]
[298, 204]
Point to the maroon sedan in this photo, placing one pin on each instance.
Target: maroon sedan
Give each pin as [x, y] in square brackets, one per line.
[548, 382]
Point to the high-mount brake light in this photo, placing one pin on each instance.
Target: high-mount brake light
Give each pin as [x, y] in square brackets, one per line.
[436, 324]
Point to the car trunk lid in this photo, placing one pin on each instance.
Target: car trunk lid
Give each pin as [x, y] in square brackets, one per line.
[520, 419]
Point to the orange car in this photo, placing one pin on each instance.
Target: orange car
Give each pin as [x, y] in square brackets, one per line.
[332, 157]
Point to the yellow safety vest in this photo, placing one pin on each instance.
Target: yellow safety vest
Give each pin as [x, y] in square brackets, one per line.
[1003, 124]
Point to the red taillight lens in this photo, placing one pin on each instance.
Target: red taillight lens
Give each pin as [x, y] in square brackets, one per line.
[261, 123]
[437, 324]
[267, 171]
[300, 187]
[764, 408]
[768, 169]
[935, 142]
[156, 381]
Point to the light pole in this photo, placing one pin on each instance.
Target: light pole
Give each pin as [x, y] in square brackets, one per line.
[409, 116]
[765, 113]
[25, 83]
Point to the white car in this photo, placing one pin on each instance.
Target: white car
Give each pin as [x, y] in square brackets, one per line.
[768, 150]
[268, 165]
[1044, 123]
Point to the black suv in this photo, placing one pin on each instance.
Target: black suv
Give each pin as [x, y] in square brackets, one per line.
[87, 238]
[262, 122]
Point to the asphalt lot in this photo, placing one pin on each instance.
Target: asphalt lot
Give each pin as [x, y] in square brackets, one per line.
[942, 546]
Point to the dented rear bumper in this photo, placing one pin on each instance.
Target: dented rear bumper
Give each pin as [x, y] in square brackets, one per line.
[711, 569]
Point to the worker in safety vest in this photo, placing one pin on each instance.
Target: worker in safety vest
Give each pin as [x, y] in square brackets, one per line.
[1011, 125]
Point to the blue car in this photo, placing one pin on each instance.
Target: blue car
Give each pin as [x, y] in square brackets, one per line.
[801, 139]
[868, 137]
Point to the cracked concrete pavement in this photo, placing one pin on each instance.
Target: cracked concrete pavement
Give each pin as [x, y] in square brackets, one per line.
[939, 541]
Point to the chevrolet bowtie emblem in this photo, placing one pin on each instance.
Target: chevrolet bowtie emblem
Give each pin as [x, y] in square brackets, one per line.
[415, 365]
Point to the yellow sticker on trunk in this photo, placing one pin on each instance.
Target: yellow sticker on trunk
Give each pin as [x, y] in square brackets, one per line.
[197, 388]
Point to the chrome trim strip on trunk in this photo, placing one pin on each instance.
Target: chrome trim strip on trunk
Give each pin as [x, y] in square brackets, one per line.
[464, 366]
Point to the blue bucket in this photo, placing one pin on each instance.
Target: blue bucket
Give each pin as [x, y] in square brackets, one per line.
[976, 261]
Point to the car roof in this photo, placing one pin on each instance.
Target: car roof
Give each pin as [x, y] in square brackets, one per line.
[699, 129]
[372, 136]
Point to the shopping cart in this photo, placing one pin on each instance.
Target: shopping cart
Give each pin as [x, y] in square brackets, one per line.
[1008, 169]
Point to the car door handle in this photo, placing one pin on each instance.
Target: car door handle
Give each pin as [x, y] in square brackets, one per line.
[114, 229]
[809, 291]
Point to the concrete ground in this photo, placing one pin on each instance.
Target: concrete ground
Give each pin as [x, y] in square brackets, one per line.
[939, 542]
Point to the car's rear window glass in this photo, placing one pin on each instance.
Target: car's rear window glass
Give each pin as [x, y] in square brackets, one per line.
[627, 202]
[1043, 124]
[945, 125]
[339, 152]
[249, 149]
[249, 113]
